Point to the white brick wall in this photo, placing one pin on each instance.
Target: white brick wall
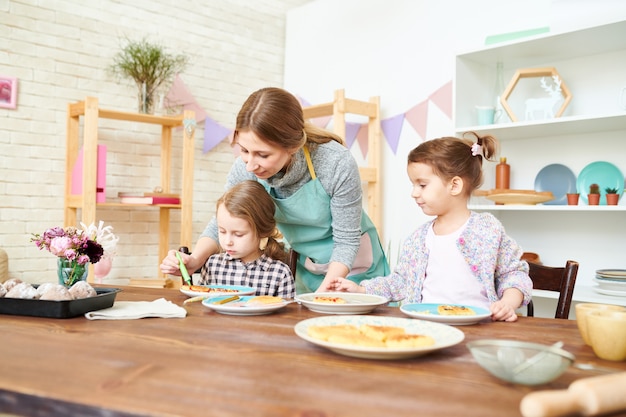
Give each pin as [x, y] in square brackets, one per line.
[60, 49]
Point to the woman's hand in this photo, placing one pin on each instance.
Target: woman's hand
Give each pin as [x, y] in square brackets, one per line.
[339, 284]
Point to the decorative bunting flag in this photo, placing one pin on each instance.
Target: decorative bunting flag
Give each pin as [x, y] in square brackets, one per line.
[362, 138]
[443, 99]
[178, 95]
[417, 117]
[351, 130]
[391, 129]
[214, 133]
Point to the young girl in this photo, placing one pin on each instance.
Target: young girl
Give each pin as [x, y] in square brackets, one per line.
[460, 257]
[250, 254]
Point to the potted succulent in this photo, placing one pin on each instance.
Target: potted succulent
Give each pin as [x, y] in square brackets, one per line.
[149, 66]
[612, 196]
[594, 195]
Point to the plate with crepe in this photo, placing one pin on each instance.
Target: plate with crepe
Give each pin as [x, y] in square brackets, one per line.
[341, 302]
[452, 314]
[379, 337]
[245, 305]
[215, 290]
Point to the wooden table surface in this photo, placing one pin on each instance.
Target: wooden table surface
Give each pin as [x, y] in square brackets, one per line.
[220, 365]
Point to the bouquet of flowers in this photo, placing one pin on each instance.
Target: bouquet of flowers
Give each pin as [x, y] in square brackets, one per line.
[75, 248]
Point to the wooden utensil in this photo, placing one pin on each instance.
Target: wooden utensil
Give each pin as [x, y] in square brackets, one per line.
[587, 396]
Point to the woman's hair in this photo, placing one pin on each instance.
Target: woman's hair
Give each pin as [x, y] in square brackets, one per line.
[451, 157]
[276, 116]
[248, 200]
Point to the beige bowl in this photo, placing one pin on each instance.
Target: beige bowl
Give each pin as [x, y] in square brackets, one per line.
[607, 333]
[583, 309]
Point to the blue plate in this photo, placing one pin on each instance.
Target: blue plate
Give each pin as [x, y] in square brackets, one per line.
[558, 179]
[429, 312]
[605, 174]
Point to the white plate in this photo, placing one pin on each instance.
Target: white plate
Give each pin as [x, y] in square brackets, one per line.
[241, 307]
[239, 290]
[429, 312]
[609, 292]
[610, 284]
[444, 335]
[612, 273]
[355, 303]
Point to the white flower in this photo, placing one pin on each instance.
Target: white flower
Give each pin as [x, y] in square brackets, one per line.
[104, 236]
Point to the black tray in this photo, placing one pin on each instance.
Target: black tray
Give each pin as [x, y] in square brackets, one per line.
[59, 309]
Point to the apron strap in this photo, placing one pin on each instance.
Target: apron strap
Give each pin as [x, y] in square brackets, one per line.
[309, 163]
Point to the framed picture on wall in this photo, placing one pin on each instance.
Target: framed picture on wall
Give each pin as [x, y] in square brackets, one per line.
[8, 92]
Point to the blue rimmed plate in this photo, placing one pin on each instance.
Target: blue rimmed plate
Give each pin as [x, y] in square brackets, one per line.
[605, 174]
[558, 179]
[244, 306]
[215, 290]
[429, 312]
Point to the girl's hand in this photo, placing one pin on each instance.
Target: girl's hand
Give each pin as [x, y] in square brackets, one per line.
[501, 311]
[169, 265]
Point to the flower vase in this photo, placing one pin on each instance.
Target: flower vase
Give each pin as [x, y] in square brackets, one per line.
[146, 98]
[102, 268]
[70, 272]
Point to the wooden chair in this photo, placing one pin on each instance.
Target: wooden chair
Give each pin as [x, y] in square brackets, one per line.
[293, 261]
[559, 279]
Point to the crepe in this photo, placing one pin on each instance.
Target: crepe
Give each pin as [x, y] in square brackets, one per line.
[369, 335]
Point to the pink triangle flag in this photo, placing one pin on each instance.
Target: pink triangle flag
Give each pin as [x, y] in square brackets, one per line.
[179, 95]
[214, 133]
[417, 117]
[443, 98]
[392, 128]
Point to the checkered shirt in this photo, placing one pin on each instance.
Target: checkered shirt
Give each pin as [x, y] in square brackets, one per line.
[267, 275]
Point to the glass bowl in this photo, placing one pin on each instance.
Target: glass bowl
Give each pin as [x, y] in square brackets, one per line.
[518, 362]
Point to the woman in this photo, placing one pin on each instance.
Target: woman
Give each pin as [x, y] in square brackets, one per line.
[315, 184]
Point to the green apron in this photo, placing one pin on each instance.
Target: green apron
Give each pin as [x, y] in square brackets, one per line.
[305, 221]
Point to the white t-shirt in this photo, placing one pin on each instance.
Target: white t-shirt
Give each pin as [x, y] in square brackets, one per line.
[449, 279]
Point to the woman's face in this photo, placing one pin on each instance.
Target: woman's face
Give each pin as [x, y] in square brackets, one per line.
[261, 158]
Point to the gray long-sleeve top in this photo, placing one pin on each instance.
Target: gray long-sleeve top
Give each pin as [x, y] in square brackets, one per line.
[338, 174]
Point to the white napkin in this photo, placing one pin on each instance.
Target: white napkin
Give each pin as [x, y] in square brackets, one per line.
[128, 310]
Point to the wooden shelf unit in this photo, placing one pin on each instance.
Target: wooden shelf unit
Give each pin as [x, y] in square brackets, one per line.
[370, 174]
[91, 113]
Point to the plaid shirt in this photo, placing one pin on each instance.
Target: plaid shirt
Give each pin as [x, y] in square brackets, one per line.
[267, 275]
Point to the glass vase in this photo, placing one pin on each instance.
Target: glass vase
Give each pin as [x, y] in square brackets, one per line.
[70, 272]
[146, 99]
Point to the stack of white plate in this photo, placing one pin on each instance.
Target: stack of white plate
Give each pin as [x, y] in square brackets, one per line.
[611, 282]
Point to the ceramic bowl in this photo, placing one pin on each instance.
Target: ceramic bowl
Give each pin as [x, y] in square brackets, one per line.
[607, 333]
[583, 309]
[518, 362]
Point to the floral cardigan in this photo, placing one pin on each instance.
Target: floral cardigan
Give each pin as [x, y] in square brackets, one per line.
[493, 257]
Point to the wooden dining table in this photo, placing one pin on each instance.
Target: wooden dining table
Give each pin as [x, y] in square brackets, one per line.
[212, 364]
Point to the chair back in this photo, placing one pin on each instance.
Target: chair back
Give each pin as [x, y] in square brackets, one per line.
[293, 261]
[558, 279]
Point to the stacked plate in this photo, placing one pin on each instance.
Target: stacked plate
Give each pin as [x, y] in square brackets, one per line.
[611, 282]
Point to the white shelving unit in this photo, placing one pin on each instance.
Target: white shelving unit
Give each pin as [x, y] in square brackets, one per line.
[592, 128]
